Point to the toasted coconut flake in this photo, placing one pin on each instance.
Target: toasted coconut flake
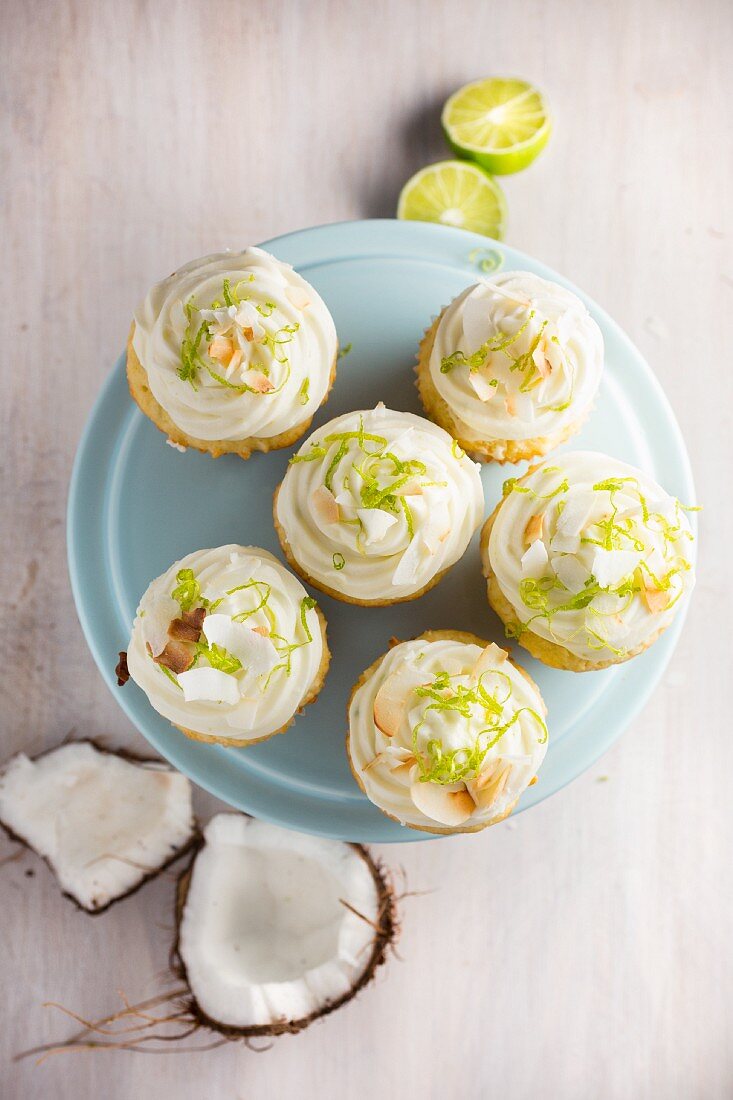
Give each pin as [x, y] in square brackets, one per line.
[376, 523]
[441, 804]
[298, 296]
[195, 617]
[187, 628]
[541, 362]
[411, 488]
[399, 757]
[392, 697]
[493, 656]
[221, 348]
[388, 711]
[258, 382]
[235, 362]
[565, 544]
[324, 505]
[656, 599]
[611, 566]
[407, 567]
[210, 685]
[576, 513]
[102, 822]
[249, 333]
[571, 572]
[533, 530]
[156, 621]
[121, 670]
[253, 649]
[277, 928]
[486, 789]
[510, 404]
[177, 656]
[534, 560]
[263, 630]
[481, 385]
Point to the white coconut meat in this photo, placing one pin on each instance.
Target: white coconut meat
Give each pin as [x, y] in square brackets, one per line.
[102, 822]
[276, 927]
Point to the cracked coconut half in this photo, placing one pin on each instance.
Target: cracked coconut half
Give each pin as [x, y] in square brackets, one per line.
[103, 822]
[276, 929]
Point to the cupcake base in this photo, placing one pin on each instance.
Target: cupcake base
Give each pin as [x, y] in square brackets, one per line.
[310, 697]
[488, 450]
[550, 653]
[334, 593]
[137, 380]
[430, 636]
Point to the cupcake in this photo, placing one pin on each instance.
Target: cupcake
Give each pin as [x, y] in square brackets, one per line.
[445, 732]
[228, 646]
[376, 506]
[587, 561]
[511, 367]
[232, 353]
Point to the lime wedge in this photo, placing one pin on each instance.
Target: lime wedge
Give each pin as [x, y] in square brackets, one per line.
[501, 124]
[453, 192]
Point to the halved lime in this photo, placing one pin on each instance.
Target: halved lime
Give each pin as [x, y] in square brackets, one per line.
[453, 192]
[501, 124]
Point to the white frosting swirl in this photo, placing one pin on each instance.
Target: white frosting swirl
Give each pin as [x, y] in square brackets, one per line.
[262, 621]
[277, 345]
[606, 540]
[376, 503]
[529, 358]
[463, 739]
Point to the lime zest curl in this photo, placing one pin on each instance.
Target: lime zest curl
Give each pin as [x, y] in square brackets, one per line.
[500, 342]
[188, 590]
[193, 360]
[444, 767]
[218, 657]
[487, 260]
[609, 533]
[383, 474]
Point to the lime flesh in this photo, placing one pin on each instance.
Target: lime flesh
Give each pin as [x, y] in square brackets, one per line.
[455, 193]
[498, 123]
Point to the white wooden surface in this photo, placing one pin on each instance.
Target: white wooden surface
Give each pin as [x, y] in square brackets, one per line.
[584, 949]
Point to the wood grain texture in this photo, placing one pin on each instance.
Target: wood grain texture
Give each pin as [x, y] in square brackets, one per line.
[582, 950]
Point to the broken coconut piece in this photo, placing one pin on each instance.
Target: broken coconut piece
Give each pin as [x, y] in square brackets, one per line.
[276, 928]
[104, 823]
[177, 656]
